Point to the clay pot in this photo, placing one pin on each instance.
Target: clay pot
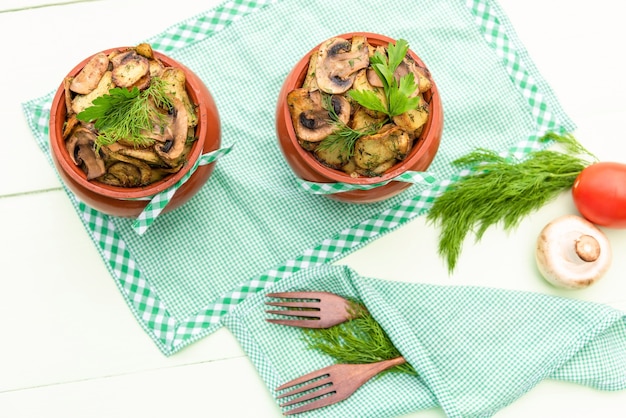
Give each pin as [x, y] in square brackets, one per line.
[130, 201]
[306, 166]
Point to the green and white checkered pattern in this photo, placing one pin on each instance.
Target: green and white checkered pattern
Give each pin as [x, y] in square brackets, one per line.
[253, 224]
[476, 350]
[160, 201]
[413, 177]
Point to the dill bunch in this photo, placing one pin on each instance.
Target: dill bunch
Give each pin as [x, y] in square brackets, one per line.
[360, 340]
[503, 190]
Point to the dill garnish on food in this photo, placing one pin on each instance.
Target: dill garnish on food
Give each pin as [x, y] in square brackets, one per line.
[343, 138]
[503, 190]
[126, 114]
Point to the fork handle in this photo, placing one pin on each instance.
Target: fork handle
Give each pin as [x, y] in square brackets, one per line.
[365, 372]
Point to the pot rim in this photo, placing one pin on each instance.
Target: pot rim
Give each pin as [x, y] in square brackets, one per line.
[58, 114]
[295, 79]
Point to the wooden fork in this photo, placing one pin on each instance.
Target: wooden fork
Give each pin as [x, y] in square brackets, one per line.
[319, 310]
[332, 384]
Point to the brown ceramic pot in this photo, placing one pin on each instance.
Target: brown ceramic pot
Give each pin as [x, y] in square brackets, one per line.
[130, 201]
[307, 167]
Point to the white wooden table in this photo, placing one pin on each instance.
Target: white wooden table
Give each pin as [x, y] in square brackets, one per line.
[69, 346]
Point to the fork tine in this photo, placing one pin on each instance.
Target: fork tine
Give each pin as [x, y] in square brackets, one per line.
[305, 378]
[318, 403]
[312, 305]
[308, 386]
[305, 314]
[316, 394]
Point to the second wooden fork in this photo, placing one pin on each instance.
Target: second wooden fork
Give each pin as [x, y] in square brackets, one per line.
[331, 384]
[312, 309]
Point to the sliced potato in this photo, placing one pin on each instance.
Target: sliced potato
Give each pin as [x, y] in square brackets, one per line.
[335, 157]
[83, 101]
[362, 120]
[413, 120]
[391, 143]
[131, 68]
[89, 77]
[175, 77]
[145, 50]
[376, 171]
[310, 81]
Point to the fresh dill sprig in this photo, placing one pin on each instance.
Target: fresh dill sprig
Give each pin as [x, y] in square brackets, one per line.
[359, 340]
[343, 138]
[502, 190]
[125, 114]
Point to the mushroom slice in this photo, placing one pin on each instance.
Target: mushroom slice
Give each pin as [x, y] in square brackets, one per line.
[338, 60]
[172, 150]
[128, 68]
[89, 77]
[92, 163]
[142, 169]
[175, 77]
[123, 174]
[572, 252]
[71, 123]
[83, 101]
[147, 155]
[81, 148]
[311, 121]
[68, 94]
[390, 143]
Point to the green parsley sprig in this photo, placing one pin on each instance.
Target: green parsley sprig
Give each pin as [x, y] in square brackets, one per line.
[125, 114]
[397, 93]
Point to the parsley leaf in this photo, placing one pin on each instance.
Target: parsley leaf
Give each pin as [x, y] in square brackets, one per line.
[368, 99]
[397, 53]
[400, 99]
[398, 93]
[103, 104]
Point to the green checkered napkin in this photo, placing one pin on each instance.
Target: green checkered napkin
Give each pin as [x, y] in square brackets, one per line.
[253, 224]
[476, 350]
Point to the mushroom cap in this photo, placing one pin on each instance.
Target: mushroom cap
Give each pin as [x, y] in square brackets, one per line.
[338, 61]
[311, 121]
[572, 253]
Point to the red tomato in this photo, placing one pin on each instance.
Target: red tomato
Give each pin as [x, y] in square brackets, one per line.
[600, 194]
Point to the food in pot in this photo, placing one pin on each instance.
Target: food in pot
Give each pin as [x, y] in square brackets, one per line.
[361, 108]
[130, 121]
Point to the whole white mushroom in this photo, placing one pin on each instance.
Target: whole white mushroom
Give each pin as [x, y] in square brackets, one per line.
[572, 253]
